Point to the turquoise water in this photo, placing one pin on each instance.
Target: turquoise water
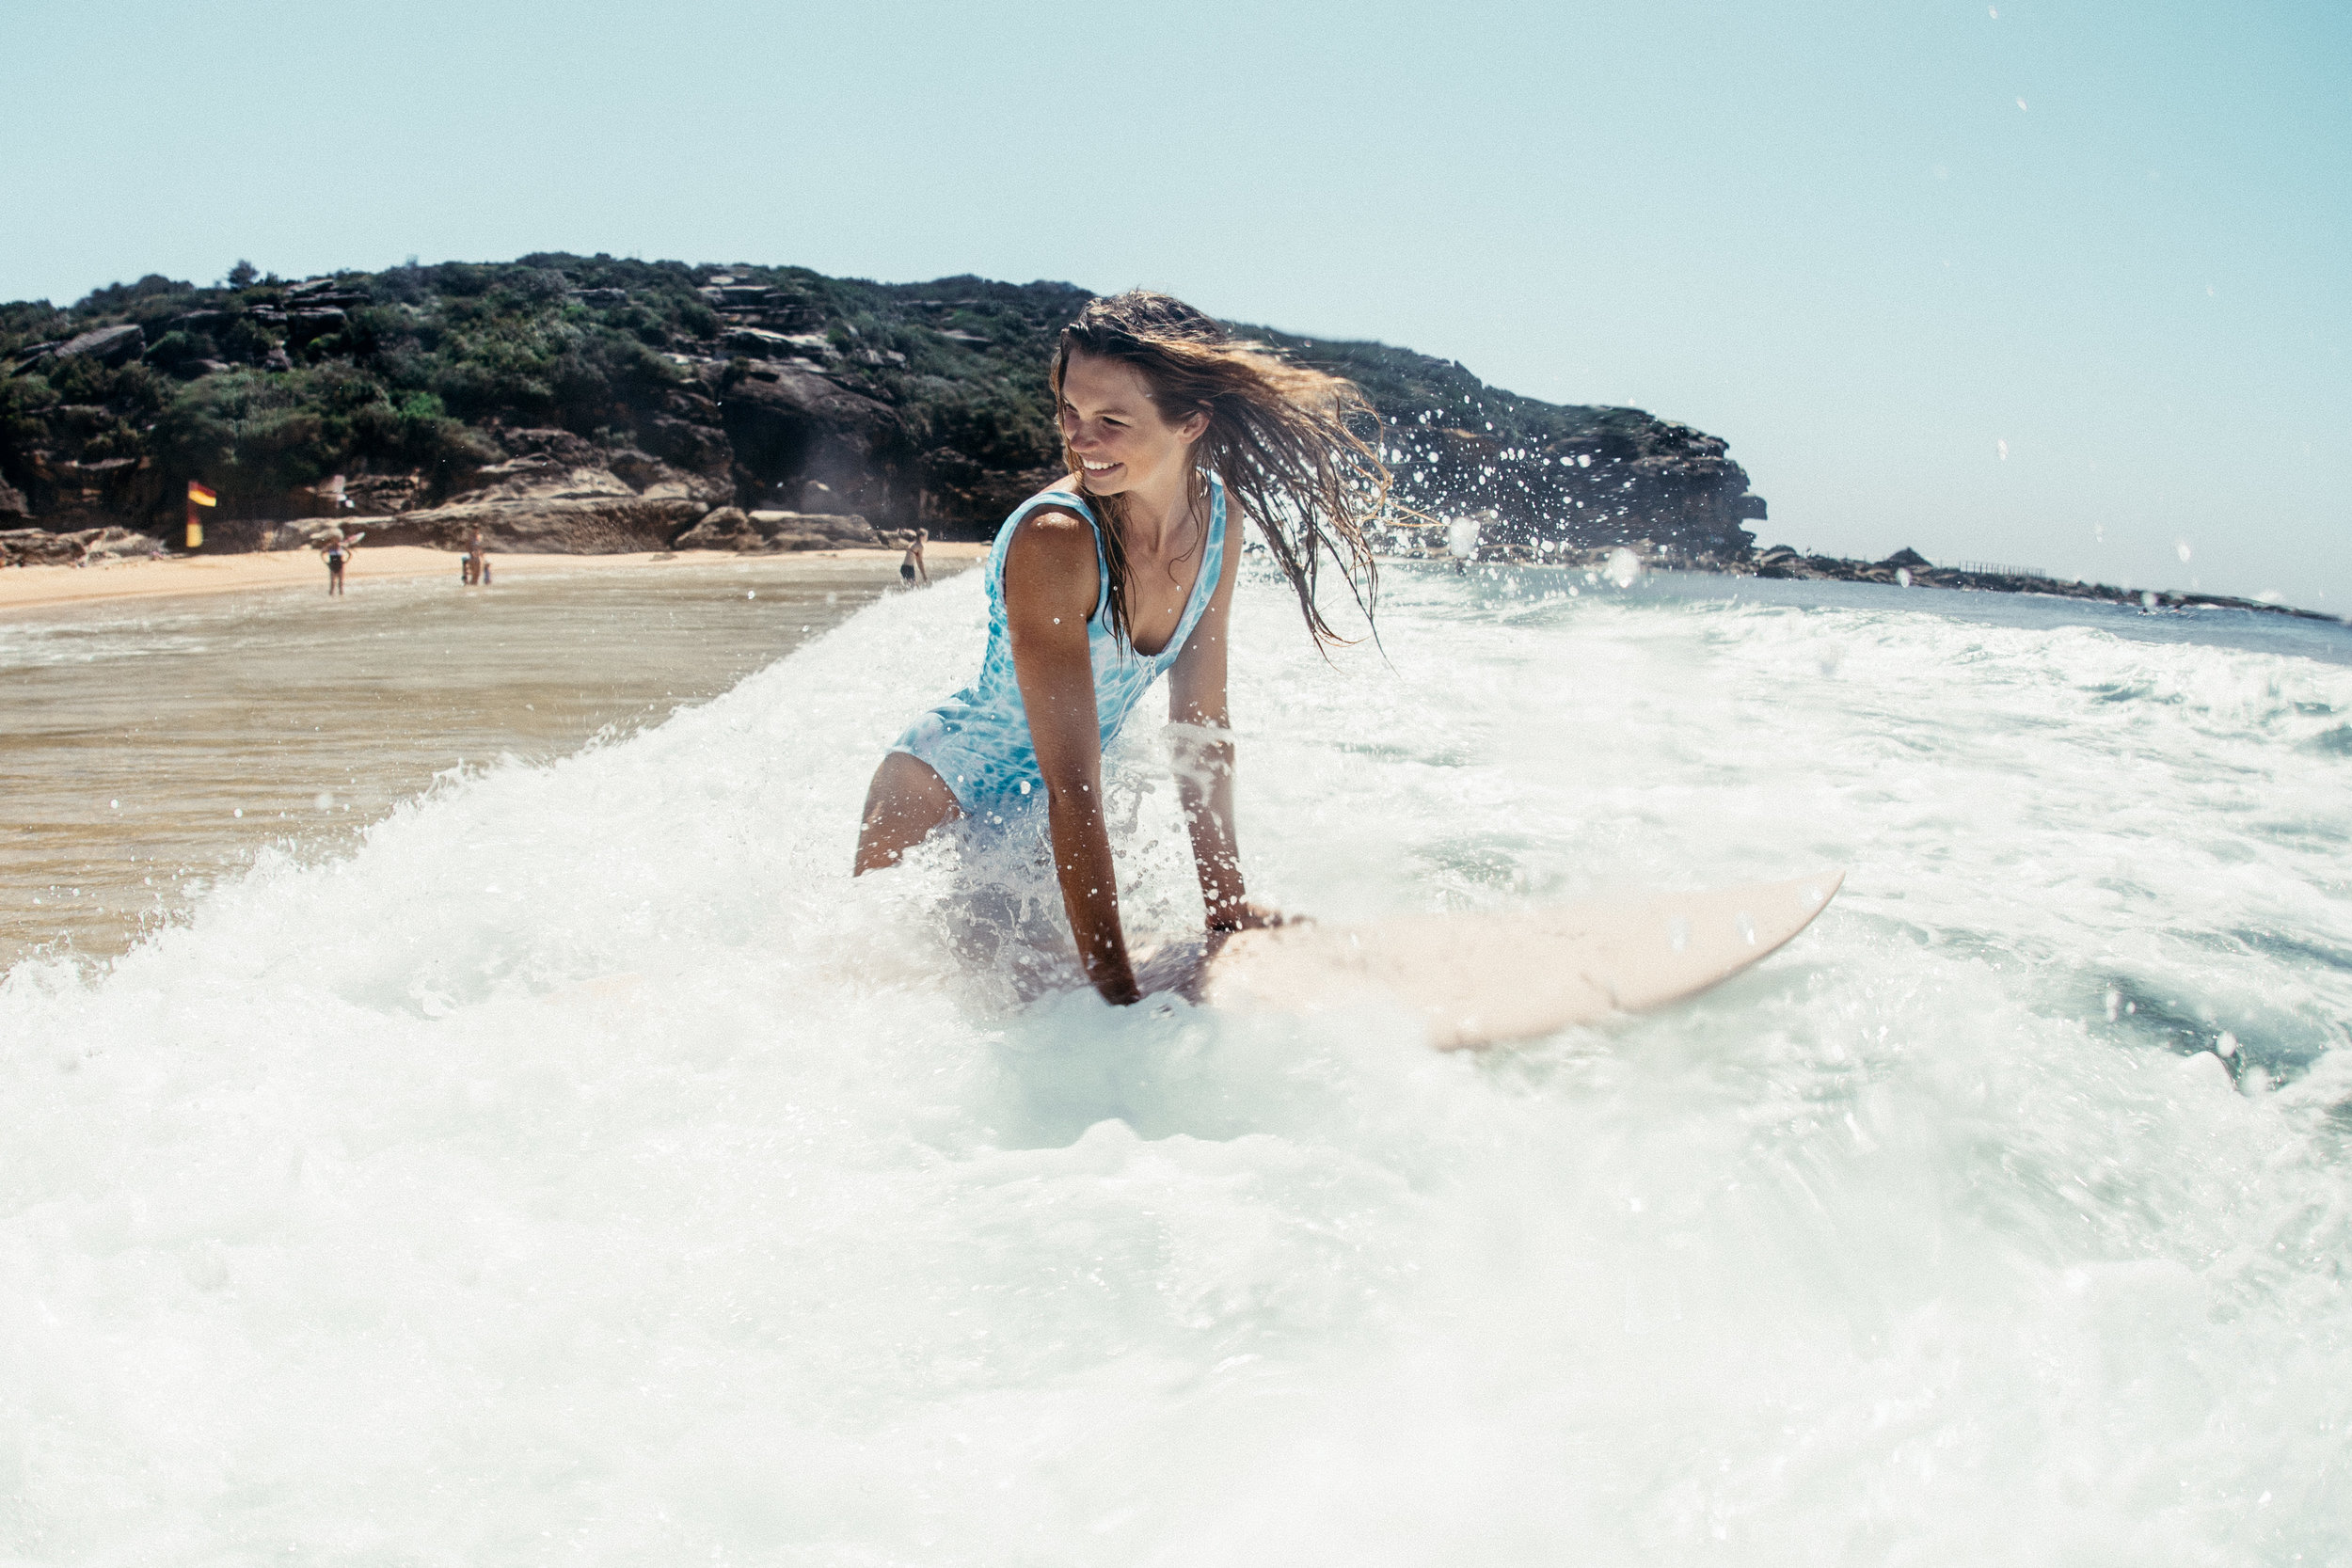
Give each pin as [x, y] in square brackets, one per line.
[580, 1168]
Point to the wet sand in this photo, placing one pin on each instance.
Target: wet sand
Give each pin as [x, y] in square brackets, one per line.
[23, 587]
[155, 744]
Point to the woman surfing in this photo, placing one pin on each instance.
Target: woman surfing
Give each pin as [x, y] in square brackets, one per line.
[1126, 571]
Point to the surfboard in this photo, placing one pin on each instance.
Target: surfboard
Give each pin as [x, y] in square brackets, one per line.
[1480, 979]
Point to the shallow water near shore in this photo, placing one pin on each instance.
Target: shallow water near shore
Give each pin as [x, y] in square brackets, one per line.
[579, 1167]
[151, 747]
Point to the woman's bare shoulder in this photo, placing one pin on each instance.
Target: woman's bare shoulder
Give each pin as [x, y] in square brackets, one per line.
[1052, 550]
[1055, 524]
[1055, 499]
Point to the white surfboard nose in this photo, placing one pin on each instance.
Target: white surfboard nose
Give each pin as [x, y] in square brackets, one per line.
[1480, 979]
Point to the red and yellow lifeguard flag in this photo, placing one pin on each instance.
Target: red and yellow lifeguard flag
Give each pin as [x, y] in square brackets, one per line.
[198, 494]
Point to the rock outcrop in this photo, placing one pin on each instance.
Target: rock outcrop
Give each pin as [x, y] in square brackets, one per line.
[1664, 485]
[1536, 474]
[582, 511]
[783, 418]
[1908, 568]
[769, 532]
[552, 493]
[89, 547]
[38, 547]
[108, 345]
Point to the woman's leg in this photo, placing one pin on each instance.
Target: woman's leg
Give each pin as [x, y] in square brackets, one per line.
[906, 800]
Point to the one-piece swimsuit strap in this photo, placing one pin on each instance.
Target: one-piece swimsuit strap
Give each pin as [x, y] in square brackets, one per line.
[1070, 502]
[1204, 583]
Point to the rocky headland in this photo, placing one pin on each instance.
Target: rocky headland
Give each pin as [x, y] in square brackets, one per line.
[588, 404]
[593, 405]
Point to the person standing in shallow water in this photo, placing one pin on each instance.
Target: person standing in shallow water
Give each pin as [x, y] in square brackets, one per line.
[1125, 572]
[338, 553]
[913, 564]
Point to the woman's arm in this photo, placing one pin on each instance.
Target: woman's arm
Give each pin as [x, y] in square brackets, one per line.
[1201, 737]
[1050, 583]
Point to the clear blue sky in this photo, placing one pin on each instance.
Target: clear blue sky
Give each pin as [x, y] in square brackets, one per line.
[2069, 285]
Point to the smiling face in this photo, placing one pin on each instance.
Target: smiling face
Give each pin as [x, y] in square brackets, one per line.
[1115, 431]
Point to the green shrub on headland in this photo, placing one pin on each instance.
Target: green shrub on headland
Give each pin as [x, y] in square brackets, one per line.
[750, 386]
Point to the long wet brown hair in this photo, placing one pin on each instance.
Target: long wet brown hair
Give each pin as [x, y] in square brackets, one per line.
[1293, 445]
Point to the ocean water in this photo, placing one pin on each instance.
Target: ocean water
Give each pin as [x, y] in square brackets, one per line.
[581, 1168]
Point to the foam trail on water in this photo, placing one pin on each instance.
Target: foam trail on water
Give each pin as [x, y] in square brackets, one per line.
[588, 1170]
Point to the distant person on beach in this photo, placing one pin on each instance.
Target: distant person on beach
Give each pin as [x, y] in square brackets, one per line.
[1124, 572]
[338, 552]
[476, 569]
[913, 561]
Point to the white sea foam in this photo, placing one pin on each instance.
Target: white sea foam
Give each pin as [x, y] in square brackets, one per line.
[587, 1170]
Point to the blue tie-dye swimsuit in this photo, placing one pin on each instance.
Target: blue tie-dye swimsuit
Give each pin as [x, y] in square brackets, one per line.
[977, 740]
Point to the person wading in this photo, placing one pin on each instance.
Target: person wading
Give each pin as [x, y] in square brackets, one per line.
[338, 552]
[1098, 586]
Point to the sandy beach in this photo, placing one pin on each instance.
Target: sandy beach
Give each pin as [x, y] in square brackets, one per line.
[26, 587]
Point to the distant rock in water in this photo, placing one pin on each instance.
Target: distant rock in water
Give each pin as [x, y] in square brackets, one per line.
[1908, 568]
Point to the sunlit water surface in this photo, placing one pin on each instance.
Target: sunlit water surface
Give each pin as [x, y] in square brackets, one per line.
[581, 1168]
